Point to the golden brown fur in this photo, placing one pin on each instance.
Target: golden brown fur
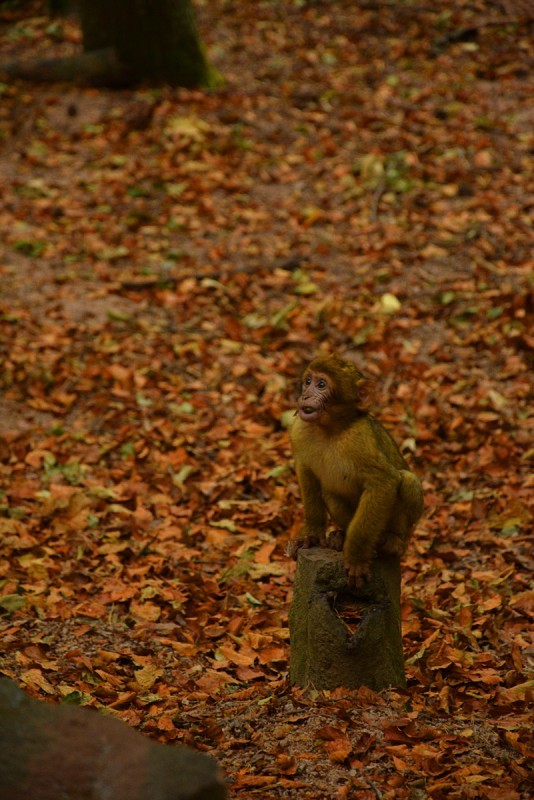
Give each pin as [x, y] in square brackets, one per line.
[350, 469]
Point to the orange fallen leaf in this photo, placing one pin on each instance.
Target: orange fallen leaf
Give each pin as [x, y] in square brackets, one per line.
[238, 657]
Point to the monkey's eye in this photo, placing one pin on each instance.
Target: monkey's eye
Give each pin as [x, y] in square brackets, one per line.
[307, 380]
[321, 384]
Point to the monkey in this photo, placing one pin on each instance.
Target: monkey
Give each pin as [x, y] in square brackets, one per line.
[350, 469]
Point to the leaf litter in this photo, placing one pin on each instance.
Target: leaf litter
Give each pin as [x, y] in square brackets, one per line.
[170, 260]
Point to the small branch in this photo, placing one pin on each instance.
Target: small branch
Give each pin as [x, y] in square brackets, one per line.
[470, 31]
[370, 5]
[375, 789]
[148, 283]
[379, 191]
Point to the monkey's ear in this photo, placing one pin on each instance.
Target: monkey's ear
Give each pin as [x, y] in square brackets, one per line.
[365, 393]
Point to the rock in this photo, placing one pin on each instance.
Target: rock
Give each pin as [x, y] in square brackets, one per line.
[63, 752]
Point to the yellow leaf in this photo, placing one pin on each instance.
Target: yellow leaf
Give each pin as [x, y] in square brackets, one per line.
[35, 678]
[389, 303]
[147, 676]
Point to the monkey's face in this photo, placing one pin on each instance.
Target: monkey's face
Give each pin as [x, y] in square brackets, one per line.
[315, 395]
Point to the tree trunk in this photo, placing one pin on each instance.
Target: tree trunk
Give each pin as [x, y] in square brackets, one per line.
[157, 40]
[342, 636]
[125, 42]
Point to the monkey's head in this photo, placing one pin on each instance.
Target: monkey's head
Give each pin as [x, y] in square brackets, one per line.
[331, 386]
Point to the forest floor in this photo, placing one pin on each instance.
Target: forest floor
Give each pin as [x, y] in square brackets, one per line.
[169, 261]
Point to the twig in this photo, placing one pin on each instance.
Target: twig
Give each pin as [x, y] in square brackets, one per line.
[375, 789]
[470, 31]
[371, 5]
[379, 191]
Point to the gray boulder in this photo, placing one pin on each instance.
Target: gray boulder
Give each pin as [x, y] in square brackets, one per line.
[53, 752]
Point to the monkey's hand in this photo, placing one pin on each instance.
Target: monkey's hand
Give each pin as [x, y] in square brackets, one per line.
[358, 574]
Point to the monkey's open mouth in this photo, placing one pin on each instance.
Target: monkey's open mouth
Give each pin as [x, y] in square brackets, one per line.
[309, 413]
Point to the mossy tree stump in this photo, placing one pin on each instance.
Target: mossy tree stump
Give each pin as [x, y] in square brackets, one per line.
[341, 636]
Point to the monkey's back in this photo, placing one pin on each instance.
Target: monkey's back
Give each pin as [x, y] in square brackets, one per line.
[386, 443]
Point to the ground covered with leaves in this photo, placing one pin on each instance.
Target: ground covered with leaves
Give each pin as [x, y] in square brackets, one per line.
[170, 260]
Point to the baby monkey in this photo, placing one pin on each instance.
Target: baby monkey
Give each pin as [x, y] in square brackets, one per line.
[350, 469]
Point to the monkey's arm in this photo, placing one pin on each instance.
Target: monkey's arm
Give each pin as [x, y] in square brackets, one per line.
[315, 515]
[372, 515]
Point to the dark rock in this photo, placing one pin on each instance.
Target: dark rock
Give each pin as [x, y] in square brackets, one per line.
[62, 752]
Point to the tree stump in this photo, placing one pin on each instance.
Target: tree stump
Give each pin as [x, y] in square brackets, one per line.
[341, 636]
